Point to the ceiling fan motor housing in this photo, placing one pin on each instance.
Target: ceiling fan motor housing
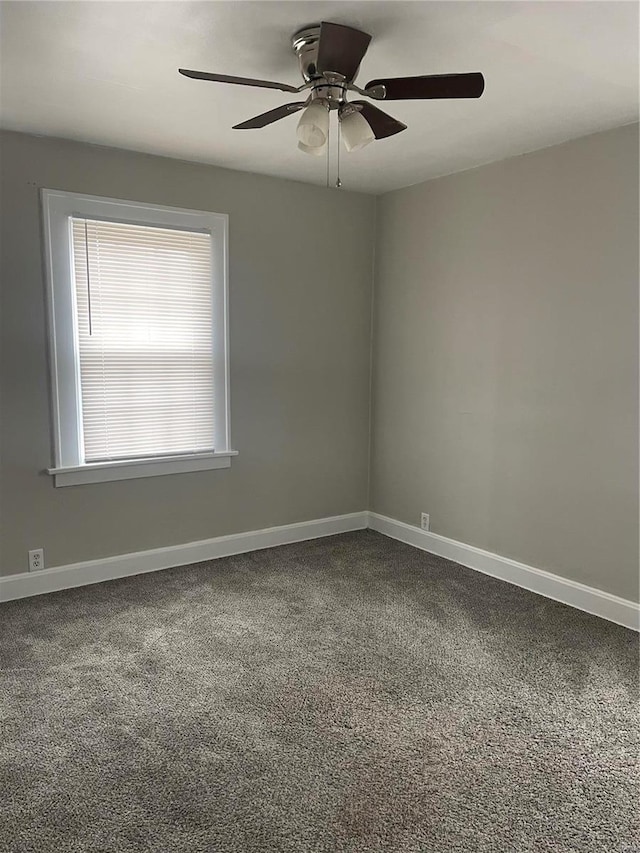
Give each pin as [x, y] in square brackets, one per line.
[331, 85]
[305, 45]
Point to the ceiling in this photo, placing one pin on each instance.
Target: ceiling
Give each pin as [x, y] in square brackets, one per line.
[106, 72]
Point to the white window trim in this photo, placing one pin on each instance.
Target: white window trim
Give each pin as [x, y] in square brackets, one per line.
[58, 207]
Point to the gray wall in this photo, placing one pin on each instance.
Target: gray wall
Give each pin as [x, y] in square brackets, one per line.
[505, 359]
[300, 345]
[506, 355]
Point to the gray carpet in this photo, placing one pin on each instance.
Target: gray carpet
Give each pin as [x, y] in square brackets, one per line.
[345, 694]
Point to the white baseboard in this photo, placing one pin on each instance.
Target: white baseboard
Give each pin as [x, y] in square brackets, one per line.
[586, 598]
[578, 595]
[109, 568]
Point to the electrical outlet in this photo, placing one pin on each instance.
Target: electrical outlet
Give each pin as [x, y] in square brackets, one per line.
[36, 560]
[424, 521]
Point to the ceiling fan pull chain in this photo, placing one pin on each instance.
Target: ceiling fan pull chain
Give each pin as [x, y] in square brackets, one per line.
[338, 181]
[328, 149]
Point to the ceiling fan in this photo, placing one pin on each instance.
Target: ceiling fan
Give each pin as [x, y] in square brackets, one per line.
[329, 56]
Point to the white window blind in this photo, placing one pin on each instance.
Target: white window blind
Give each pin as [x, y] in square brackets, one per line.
[145, 329]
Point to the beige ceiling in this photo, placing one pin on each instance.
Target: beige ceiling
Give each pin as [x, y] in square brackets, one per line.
[106, 72]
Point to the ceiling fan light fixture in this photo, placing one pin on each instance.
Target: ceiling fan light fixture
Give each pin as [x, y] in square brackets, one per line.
[356, 130]
[313, 127]
[316, 152]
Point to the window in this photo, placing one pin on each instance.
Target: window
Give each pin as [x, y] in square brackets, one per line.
[138, 311]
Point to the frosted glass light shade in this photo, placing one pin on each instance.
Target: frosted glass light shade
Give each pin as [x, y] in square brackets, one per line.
[313, 127]
[317, 152]
[356, 131]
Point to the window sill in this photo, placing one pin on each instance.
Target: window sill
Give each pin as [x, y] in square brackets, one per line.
[101, 472]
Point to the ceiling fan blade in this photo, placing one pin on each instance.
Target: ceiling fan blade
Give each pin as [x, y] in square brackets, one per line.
[240, 81]
[341, 49]
[432, 86]
[382, 125]
[268, 118]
